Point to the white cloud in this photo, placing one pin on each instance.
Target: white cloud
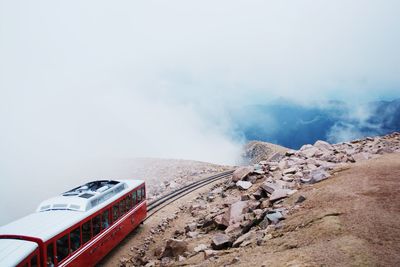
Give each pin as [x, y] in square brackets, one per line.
[155, 78]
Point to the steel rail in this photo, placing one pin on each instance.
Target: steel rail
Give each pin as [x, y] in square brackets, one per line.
[176, 194]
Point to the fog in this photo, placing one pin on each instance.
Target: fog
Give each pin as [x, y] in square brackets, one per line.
[84, 82]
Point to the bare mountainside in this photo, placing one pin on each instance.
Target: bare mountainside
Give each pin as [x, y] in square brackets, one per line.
[332, 205]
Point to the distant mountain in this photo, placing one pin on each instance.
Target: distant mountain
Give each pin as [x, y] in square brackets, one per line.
[292, 125]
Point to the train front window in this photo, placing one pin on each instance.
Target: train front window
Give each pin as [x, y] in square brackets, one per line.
[139, 195]
[86, 232]
[50, 255]
[105, 221]
[96, 225]
[143, 194]
[75, 237]
[62, 248]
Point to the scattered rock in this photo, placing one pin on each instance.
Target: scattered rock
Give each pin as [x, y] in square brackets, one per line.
[246, 237]
[323, 145]
[300, 199]
[274, 217]
[192, 234]
[221, 241]
[240, 173]
[208, 253]
[281, 193]
[235, 212]
[174, 248]
[244, 185]
[200, 248]
[318, 175]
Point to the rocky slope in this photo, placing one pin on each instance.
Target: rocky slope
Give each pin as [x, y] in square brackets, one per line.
[278, 213]
[256, 151]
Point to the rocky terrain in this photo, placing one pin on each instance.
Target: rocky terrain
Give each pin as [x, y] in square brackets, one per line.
[165, 175]
[278, 212]
[256, 151]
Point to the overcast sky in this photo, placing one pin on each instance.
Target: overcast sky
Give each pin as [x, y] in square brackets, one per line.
[81, 80]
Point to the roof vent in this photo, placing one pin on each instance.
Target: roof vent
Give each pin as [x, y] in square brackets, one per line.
[74, 207]
[45, 207]
[86, 195]
[60, 206]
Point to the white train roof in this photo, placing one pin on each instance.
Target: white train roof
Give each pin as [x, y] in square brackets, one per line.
[13, 251]
[60, 213]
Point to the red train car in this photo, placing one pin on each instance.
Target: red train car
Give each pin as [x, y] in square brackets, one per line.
[77, 228]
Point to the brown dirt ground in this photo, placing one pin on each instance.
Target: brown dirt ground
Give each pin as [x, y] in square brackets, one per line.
[351, 219]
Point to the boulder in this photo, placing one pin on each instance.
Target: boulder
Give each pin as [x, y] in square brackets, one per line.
[244, 185]
[246, 237]
[200, 248]
[318, 175]
[235, 212]
[191, 227]
[269, 187]
[288, 178]
[192, 234]
[290, 152]
[264, 223]
[221, 241]
[361, 156]
[241, 173]
[265, 204]
[274, 217]
[310, 152]
[233, 229]
[220, 222]
[244, 197]
[291, 170]
[259, 194]
[323, 145]
[174, 248]
[283, 164]
[209, 253]
[281, 193]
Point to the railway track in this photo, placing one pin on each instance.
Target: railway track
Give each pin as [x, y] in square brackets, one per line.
[158, 204]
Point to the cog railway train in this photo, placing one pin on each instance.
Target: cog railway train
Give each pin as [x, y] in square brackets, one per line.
[77, 228]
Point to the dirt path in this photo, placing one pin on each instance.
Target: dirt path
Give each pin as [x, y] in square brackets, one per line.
[348, 220]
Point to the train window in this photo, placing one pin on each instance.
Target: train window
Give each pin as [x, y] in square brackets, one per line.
[129, 202]
[50, 255]
[139, 195]
[134, 198]
[122, 207]
[86, 232]
[62, 248]
[34, 261]
[143, 194]
[75, 237]
[115, 212]
[96, 221]
[105, 221]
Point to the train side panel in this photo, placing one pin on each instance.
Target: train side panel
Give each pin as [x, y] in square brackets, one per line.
[99, 247]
